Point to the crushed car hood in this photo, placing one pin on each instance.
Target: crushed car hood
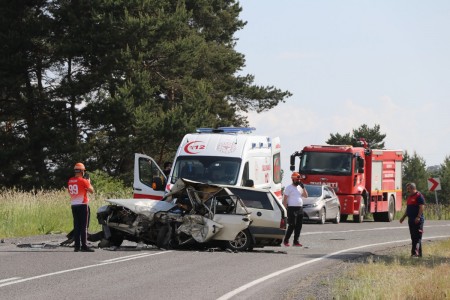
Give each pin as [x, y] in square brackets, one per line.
[147, 207]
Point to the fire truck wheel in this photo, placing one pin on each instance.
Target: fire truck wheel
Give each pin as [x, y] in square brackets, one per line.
[391, 213]
[359, 218]
[344, 218]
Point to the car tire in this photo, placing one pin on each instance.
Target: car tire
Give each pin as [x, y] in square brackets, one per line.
[116, 239]
[337, 219]
[104, 243]
[242, 242]
[322, 216]
[163, 238]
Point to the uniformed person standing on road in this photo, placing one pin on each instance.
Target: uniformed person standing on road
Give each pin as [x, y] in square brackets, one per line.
[79, 188]
[293, 202]
[415, 205]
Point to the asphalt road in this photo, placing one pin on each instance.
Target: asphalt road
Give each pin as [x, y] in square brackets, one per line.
[43, 270]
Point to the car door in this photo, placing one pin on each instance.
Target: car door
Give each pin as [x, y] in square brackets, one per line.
[233, 221]
[266, 215]
[149, 179]
[331, 202]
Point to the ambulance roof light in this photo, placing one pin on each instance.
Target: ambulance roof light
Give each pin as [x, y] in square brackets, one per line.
[226, 130]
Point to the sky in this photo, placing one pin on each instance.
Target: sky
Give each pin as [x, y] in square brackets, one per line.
[349, 63]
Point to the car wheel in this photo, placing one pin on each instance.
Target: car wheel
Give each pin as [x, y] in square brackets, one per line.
[163, 238]
[116, 239]
[337, 219]
[242, 242]
[104, 243]
[322, 216]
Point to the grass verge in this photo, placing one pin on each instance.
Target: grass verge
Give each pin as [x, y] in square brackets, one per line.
[398, 276]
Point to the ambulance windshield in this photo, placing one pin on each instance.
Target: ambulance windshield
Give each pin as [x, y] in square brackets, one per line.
[207, 169]
[333, 163]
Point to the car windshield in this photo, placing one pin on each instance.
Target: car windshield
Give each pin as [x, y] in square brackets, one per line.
[313, 190]
[207, 169]
[333, 163]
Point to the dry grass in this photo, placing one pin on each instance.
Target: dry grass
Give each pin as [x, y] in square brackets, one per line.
[398, 276]
[39, 212]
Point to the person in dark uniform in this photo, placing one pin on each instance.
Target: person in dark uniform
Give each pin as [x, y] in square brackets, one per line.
[415, 205]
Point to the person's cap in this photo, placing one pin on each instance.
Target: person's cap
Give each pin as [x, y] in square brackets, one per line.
[295, 175]
[79, 167]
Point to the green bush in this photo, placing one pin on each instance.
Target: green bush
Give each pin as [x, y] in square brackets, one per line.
[109, 187]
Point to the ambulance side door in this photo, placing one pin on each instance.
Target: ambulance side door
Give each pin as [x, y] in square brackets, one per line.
[149, 179]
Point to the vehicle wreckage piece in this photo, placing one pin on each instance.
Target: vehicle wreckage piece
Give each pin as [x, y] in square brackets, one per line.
[191, 212]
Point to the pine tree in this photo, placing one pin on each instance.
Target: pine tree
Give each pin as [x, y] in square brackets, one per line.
[372, 136]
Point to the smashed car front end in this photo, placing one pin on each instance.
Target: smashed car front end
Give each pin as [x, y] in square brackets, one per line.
[190, 213]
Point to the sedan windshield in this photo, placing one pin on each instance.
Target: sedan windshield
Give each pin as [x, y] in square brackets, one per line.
[313, 190]
[207, 169]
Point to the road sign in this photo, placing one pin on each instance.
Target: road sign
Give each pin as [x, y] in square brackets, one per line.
[434, 184]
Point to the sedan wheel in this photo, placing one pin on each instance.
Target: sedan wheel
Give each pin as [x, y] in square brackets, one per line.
[242, 242]
[337, 219]
[322, 216]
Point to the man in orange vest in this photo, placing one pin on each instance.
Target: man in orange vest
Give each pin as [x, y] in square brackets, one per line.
[79, 188]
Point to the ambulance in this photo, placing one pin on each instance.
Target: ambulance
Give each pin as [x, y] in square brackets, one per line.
[230, 156]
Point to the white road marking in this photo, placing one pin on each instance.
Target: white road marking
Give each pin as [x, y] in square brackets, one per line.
[106, 262]
[244, 287]
[371, 229]
[124, 257]
[9, 279]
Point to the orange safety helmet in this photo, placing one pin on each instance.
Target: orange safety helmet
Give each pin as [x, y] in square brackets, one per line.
[295, 175]
[79, 166]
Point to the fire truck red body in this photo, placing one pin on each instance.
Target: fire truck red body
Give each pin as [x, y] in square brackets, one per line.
[365, 180]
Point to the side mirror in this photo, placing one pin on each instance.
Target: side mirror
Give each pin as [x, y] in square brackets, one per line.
[249, 183]
[157, 184]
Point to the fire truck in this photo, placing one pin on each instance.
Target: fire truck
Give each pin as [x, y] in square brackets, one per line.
[365, 180]
[225, 155]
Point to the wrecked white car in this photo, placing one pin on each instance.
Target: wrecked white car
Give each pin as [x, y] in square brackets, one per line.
[192, 213]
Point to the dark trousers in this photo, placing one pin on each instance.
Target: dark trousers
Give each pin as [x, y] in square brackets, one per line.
[295, 222]
[80, 215]
[416, 231]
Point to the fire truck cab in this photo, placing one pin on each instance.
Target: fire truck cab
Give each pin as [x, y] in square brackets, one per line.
[224, 155]
[365, 180]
